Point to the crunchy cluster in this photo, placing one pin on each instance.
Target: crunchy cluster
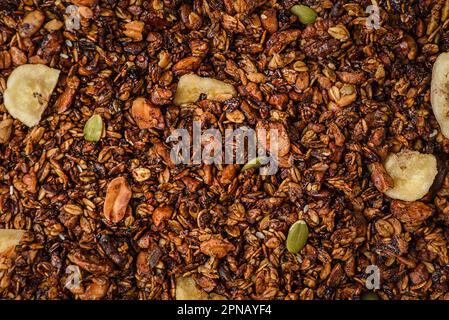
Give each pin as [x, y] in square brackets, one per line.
[344, 95]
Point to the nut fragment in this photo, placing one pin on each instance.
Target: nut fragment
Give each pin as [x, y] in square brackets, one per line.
[17, 56]
[141, 174]
[273, 131]
[5, 60]
[216, 247]
[147, 115]
[382, 181]
[339, 32]
[118, 195]
[9, 239]
[31, 23]
[412, 214]
[440, 92]
[53, 25]
[28, 91]
[88, 3]
[5, 130]
[66, 98]
[235, 116]
[191, 86]
[412, 172]
[95, 290]
[161, 214]
[134, 30]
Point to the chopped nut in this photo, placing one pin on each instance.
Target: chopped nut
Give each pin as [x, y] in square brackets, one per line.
[147, 115]
[53, 25]
[412, 214]
[142, 174]
[134, 30]
[235, 116]
[5, 130]
[5, 60]
[339, 32]
[118, 195]
[96, 290]
[66, 98]
[269, 20]
[31, 23]
[17, 56]
[273, 130]
[379, 176]
[161, 214]
[88, 3]
[216, 248]
[186, 65]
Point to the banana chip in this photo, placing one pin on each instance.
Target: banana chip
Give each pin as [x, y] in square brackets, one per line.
[439, 96]
[191, 86]
[186, 289]
[9, 239]
[413, 174]
[28, 91]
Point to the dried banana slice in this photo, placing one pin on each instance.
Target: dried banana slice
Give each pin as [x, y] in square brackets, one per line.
[9, 239]
[191, 86]
[413, 174]
[28, 91]
[186, 289]
[439, 96]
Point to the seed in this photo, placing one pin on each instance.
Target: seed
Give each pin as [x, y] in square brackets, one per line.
[297, 236]
[305, 14]
[370, 296]
[255, 163]
[93, 128]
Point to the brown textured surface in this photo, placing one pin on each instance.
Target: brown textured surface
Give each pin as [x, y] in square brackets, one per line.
[344, 95]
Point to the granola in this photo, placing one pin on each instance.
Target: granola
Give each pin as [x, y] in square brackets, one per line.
[345, 90]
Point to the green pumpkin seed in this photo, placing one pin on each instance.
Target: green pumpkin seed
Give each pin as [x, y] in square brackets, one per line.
[297, 236]
[93, 129]
[305, 14]
[369, 296]
[255, 163]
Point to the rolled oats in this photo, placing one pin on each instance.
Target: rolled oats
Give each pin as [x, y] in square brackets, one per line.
[345, 91]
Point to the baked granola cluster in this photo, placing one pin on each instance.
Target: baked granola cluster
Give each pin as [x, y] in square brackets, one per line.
[345, 91]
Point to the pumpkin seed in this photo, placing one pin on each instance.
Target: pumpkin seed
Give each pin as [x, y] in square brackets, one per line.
[93, 128]
[305, 14]
[297, 236]
[255, 163]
